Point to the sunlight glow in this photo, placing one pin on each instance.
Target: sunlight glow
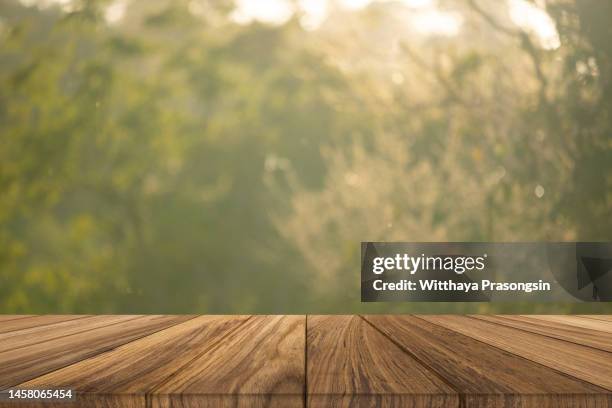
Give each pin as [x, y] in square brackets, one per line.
[264, 11]
[115, 11]
[534, 19]
[359, 4]
[432, 21]
[314, 13]
[417, 3]
[355, 4]
[425, 17]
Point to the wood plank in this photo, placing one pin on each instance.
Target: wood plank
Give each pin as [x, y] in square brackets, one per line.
[182, 401]
[573, 334]
[82, 401]
[196, 400]
[486, 375]
[26, 322]
[605, 318]
[261, 364]
[352, 364]
[136, 368]
[22, 364]
[578, 321]
[588, 364]
[7, 317]
[45, 332]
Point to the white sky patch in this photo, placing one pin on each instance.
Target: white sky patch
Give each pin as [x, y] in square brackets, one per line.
[417, 3]
[534, 19]
[432, 21]
[359, 4]
[314, 13]
[427, 19]
[115, 11]
[355, 4]
[264, 11]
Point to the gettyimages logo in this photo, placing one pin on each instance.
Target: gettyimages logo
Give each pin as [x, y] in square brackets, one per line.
[413, 264]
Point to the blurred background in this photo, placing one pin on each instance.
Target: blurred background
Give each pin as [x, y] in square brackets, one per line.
[217, 156]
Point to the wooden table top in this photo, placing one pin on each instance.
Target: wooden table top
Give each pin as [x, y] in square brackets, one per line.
[317, 361]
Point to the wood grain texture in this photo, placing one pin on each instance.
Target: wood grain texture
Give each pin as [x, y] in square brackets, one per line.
[261, 364]
[586, 337]
[352, 364]
[261, 400]
[22, 364]
[85, 401]
[588, 364]
[577, 321]
[15, 323]
[138, 367]
[605, 318]
[489, 376]
[6, 318]
[47, 332]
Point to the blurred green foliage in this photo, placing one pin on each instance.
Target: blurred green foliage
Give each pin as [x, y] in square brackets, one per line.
[180, 162]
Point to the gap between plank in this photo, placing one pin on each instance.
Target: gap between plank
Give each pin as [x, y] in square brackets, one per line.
[462, 401]
[518, 355]
[177, 371]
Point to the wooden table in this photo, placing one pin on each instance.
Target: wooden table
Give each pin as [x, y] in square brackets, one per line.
[316, 361]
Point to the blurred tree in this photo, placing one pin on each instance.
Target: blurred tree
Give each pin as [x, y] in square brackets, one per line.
[156, 156]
